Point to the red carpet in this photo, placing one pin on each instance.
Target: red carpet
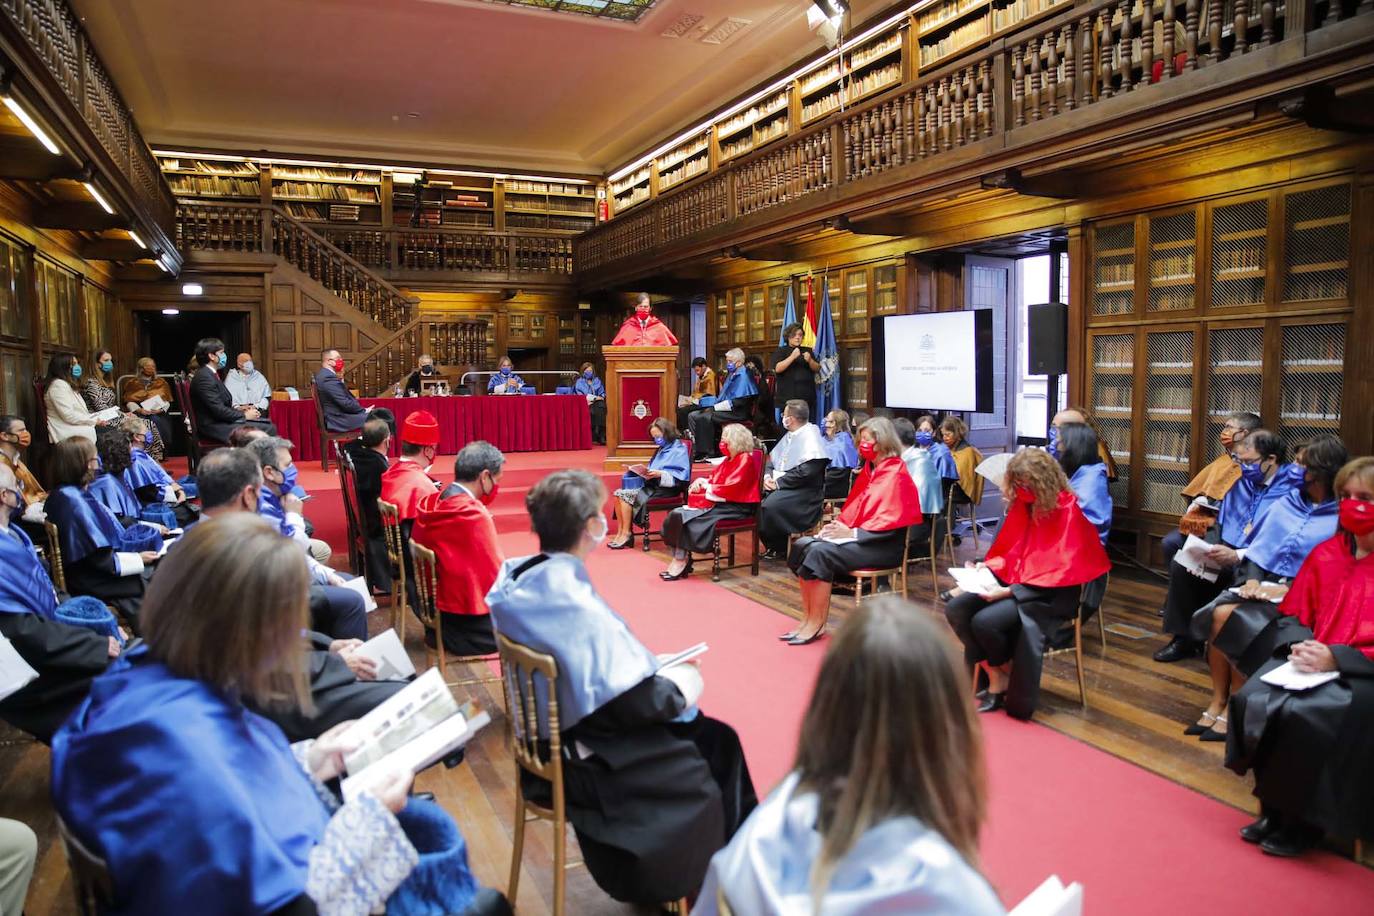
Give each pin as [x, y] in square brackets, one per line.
[1139, 843]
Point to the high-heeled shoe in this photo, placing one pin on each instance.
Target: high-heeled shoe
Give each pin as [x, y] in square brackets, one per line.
[669, 577]
[624, 545]
[1198, 728]
[1211, 734]
[994, 702]
[799, 640]
[790, 634]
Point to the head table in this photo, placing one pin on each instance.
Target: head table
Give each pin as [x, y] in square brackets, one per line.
[512, 423]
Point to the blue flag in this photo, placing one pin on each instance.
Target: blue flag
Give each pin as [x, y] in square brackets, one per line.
[789, 317]
[828, 395]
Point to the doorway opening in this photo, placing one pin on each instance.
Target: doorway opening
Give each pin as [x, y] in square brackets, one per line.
[171, 339]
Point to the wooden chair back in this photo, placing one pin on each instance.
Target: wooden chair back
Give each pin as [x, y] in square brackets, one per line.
[426, 570]
[872, 575]
[91, 882]
[348, 485]
[59, 575]
[395, 554]
[196, 447]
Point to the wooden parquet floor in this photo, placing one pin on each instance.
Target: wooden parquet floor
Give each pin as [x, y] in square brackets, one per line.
[1137, 710]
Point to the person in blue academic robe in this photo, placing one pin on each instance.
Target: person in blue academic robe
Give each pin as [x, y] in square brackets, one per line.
[850, 832]
[1263, 481]
[594, 390]
[1243, 629]
[928, 438]
[66, 654]
[670, 470]
[842, 452]
[734, 404]
[111, 491]
[504, 380]
[653, 786]
[150, 481]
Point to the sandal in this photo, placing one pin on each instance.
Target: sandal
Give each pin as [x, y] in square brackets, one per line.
[1198, 728]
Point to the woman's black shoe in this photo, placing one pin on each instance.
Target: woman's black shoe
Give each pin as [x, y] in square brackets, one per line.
[1290, 841]
[1198, 728]
[1211, 734]
[1261, 829]
[629, 542]
[994, 702]
[947, 595]
[669, 577]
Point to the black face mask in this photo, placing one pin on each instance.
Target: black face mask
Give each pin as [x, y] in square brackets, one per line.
[426, 370]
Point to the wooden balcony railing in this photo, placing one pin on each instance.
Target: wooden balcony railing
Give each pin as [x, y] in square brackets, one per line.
[1091, 53]
[451, 342]
[406, 250]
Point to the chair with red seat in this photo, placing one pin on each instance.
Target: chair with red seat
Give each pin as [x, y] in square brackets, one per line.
[196, 447]
[733, 527]
[655, 504]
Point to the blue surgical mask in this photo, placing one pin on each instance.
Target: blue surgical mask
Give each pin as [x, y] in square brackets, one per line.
[76, 372]
[148, 436]
[223, 360]
[1252, 471]
[729, 365]
[107, 366]
[288, 479]
[1052, 446]
[660, 441]
[588, 374]
[1294, 473]
[924, 439]
[505, 370]
[247, 368]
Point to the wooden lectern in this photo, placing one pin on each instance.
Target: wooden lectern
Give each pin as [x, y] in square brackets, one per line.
[641, 385]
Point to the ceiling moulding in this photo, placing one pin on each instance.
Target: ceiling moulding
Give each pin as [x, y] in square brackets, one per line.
[682, 26]
[725, 31]
[615, 13]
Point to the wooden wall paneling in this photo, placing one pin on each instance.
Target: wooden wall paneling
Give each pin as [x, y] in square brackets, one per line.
[1357, 415]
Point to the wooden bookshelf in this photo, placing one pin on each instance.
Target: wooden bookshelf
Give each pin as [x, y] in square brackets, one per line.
[684, 162]
[630, 190]
[549, 205]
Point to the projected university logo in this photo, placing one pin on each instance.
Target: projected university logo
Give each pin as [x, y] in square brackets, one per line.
[927, 342]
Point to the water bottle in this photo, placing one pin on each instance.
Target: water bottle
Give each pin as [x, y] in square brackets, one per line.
[398, 390]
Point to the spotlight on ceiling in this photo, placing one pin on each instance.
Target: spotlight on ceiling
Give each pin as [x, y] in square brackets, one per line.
[171, 311]
[192, 289]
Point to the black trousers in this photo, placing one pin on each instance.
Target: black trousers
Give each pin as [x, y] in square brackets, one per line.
[1171, 544]
[706, 425]
[598, 410]
[988, 631]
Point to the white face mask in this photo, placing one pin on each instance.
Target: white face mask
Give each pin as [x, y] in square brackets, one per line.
[247, 368]
[605, 530]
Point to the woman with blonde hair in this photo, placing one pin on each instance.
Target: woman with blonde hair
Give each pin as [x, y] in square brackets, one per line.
[1044, 553]
[870, 530]
[967, 489]
[882, 810]
[165, 747]
[732, 491]
[141, 388]
[843, 454]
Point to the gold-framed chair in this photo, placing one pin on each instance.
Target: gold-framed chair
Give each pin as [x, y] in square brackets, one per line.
[871, 575]
[92, 885]
[1077, 647]
[395, 554]
[1101, 609]
[541, 757]
[933, 556]
[426, 569]
[59, 575]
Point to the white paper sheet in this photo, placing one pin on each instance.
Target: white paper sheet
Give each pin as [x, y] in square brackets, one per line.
[1290, 678]
[106, 415]
[686, 655]
[15, 673]
[385, 650]
[1193, 557]
[359, 585]
[979, 581]
[1052, 898]
[994, 468]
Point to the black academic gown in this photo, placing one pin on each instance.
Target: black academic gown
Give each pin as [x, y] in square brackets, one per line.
[1312, 751]
[66, 658]
[795, 506]
[368, 466]
[656, 798]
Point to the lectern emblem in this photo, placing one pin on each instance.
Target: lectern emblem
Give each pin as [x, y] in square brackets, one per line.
[640, 411]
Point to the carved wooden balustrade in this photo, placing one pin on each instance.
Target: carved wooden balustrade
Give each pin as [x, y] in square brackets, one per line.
[1090, 53]
[452, 342]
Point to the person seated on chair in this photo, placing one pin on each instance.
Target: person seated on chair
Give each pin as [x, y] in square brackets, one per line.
[166, 774]
[882, 810]
[424, 369]
[1311, 750]
[793, 481]
[457, 525]
[504, 380]
[149, 480]
[247, 386]
[216, 415]
[335, 609]
[844, 456]
[703, 386]
[967, 488]
[145, 385]
[100, 556]
[1075, 446]
[1081, 415]
[369, 456]
[406, 481]
[1212, 483]
[654, 787]
[14, 439]
[111, 486]
[1284, 536]
[731, 492]
[67, 413]
[98, 391]
[642, 329]
[1263, 482]
[668, 473]
[65, 656]
[343, 682]
[765, 414]
[869, 533]
[928, 484]
[1045, 551]
[589, 385]
[342, 412]
[929, 438]
[734, 404]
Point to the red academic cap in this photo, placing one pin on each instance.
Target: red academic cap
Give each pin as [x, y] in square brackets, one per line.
[420, 428]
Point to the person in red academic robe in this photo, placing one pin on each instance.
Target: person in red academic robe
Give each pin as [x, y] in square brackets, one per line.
[457, 526]
[1044, 553]
[642, 329]
[1312, 750]
[732, 491]
[870, 532]
[406, 481]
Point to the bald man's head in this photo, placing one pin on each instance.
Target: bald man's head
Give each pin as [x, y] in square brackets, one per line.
[1068, 415]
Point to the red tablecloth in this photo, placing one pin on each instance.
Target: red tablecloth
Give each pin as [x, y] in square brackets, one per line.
[528, 423]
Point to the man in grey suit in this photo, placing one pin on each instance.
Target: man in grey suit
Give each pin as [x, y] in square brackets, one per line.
[342, 412]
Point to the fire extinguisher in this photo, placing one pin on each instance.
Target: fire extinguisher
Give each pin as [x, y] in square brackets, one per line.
[603, 210]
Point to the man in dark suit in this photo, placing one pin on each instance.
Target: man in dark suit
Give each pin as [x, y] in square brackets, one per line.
[216, 415]
[342, 412]
[369, 452]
